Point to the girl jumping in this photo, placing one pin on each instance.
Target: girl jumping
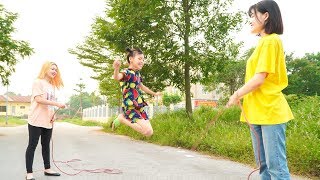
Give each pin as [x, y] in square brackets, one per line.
[133, 112]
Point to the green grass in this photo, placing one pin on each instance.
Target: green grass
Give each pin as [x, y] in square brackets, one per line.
[177, 130]
[12, 121]
[82, 122]
[303, 137]
[230, 138]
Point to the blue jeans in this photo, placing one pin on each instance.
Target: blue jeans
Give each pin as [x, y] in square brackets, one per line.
[272, 151]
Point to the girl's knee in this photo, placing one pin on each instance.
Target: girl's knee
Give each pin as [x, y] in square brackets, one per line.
[31, 147]
[148, 132]
[120, 116]
[122, 119]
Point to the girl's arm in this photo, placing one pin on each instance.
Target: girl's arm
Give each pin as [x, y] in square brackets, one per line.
[116, 74]
[254, 83]
[44, 101]
[147, 90]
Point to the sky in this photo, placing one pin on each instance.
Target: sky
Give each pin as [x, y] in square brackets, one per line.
[54, 26]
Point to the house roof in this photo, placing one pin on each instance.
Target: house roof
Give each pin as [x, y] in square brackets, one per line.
[2, 98]
[21, 99]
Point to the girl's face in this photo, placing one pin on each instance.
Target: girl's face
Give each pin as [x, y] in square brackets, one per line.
[257, 22]
[137, 61]
[52, 72]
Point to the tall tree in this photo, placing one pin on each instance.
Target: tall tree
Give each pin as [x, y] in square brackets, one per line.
[110, 37]
[10, 49]
[184, 40]
[80, 87]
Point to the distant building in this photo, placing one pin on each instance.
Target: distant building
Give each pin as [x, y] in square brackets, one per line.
[17, 105]
[199, 96]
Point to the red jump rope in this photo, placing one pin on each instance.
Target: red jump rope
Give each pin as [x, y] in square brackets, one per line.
[99, 170]
[210, 123]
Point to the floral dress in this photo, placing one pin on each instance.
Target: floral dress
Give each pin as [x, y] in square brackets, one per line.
[133, 102]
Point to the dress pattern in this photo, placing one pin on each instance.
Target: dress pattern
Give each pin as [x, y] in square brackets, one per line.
[133, 102]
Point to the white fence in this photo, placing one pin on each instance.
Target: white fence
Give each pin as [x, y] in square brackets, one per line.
[104, 112]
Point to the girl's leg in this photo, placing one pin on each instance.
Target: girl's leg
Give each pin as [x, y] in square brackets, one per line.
[45, 143]
[34, 134]
[274, 138]
[146, 127]
[125, 121]
[142, 126]
[264, 174]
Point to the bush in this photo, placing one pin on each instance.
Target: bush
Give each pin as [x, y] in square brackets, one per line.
[303, 136]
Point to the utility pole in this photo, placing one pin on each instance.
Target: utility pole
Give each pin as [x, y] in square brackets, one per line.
[7, 107]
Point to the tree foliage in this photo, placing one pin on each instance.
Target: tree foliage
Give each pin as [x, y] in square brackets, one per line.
[184, 41]
[10, 49]
[304, 74]
[88, 100]
[85, 100]
[231, 76]
[168, 99]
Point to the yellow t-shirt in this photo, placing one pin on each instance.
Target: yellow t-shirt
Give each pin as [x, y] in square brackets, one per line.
[40, 115]
[267, 105]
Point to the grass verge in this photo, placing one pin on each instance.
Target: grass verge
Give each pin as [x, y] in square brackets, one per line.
[81, 122]
[12, 121]
[229, 138]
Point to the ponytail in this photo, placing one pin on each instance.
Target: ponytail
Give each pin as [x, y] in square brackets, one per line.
[132, 52]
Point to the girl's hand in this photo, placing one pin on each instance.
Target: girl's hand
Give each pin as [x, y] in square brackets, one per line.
[233, 100]
[158, 94]
[116, 64]
[60, 105]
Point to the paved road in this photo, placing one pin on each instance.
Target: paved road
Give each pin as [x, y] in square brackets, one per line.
[137, 160]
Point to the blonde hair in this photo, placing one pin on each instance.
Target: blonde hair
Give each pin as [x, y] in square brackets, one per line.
[56, 81]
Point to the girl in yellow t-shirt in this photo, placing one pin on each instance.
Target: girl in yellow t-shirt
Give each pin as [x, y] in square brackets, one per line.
[40, 116]
[264, 105]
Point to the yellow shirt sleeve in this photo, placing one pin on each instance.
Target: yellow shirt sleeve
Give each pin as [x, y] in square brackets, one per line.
[267, 58]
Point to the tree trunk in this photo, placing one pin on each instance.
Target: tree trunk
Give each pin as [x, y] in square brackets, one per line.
[187, 57]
